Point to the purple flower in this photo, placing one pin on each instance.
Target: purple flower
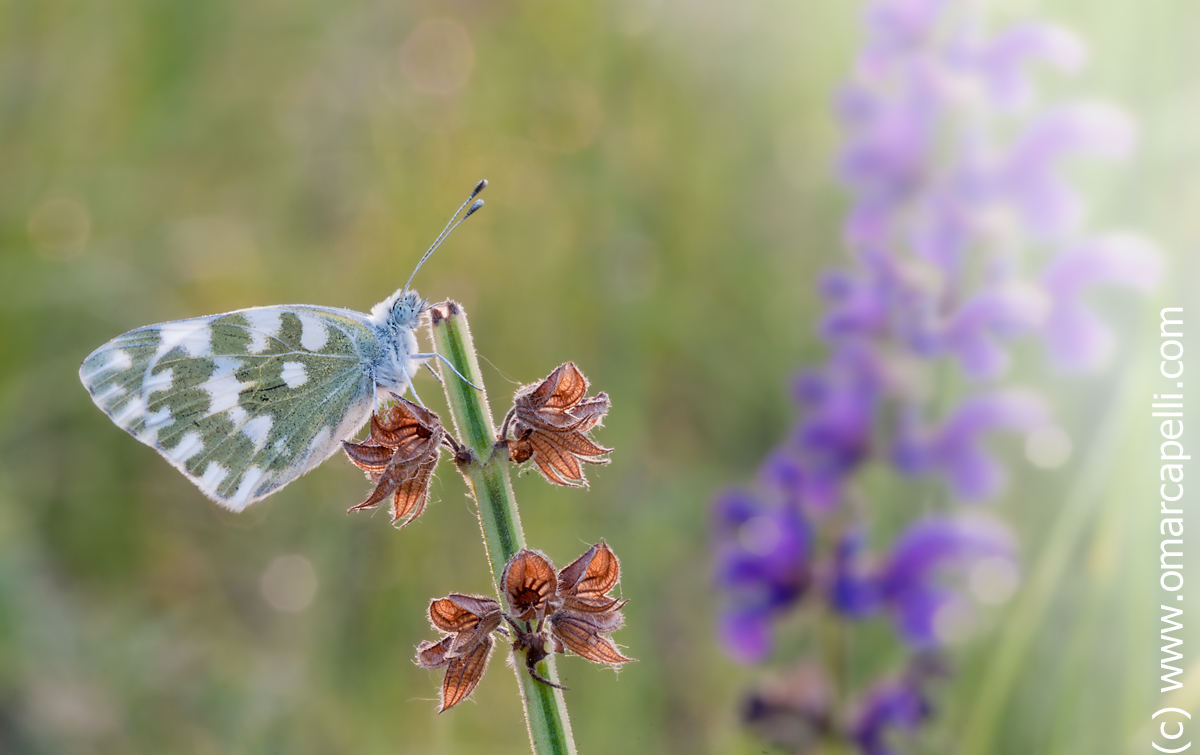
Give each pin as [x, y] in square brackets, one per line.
[857, 306]
[910, 582]
[955, 448]
[895, 706]
[763, 555]
[854, 589]
[835, 435]
[1028, 174]
[892, 137]
[782, 478]
[973, 333]
[1002, 62]
[888, 707]
[1075, 337]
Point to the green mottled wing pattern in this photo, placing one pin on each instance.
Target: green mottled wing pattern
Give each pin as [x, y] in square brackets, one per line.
[242, 403]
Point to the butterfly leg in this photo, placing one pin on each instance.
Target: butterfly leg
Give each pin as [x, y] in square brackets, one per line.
[446, 362]
[413, 389]
[436, 376]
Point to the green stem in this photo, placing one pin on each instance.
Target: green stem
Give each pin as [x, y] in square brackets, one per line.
[487, 475]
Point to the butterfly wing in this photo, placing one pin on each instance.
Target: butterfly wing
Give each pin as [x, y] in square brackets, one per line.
[241, 403]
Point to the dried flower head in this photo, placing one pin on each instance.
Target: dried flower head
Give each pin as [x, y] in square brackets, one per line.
[399, 456]
[575, 603]
[530, 586]
[469, 622]
[588, 613]
[549, 423]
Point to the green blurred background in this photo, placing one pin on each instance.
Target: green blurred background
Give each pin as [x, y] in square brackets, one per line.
[661, 199]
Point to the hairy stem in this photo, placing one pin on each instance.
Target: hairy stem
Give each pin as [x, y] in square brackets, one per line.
[487, 475]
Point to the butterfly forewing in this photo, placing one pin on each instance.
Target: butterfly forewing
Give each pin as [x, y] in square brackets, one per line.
[242, 403]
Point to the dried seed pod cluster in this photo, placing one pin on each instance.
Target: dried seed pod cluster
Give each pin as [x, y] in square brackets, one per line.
[468, 621]
[399, 456]
[548, 611]
[550, 422]
[568, 610]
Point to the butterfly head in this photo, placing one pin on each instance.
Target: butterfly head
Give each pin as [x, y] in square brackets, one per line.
[402, 309]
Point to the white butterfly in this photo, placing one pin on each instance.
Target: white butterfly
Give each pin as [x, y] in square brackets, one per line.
[245, 402]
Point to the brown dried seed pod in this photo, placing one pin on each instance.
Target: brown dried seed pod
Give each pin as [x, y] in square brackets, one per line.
[399, 456]
[463, 674]
[583, 637]
[587, 613]
[584, 584]
[469, 621]
[549, 423]
[469, 617]
[530, 585]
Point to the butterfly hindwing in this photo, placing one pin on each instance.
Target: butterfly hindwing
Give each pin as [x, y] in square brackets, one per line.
[242, 403]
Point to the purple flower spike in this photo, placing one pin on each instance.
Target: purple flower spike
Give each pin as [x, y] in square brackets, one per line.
[908, 581]
[955, 448]
[959, 188]
[1076, 339]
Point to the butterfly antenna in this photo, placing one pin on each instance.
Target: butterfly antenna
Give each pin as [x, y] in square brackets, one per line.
[450, 226]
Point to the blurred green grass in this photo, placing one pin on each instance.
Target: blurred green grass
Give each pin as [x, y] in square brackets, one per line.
[661, 202]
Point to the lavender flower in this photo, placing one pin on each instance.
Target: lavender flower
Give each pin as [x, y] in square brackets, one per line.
[965, 237]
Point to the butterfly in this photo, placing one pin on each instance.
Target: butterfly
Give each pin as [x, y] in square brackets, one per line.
[243, 403]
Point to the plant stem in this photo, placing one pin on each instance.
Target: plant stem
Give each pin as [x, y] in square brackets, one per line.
[487, 476]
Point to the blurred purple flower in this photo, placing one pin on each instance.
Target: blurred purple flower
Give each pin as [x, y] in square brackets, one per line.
[835, 435]
[895, 706]
[909, 583]
[925, 553]
[1027, 176]
[1075, 337]
[854, 588]
[973, 333]
[763, 554]
[1002, 62]
[888, 707]
[955, 447]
